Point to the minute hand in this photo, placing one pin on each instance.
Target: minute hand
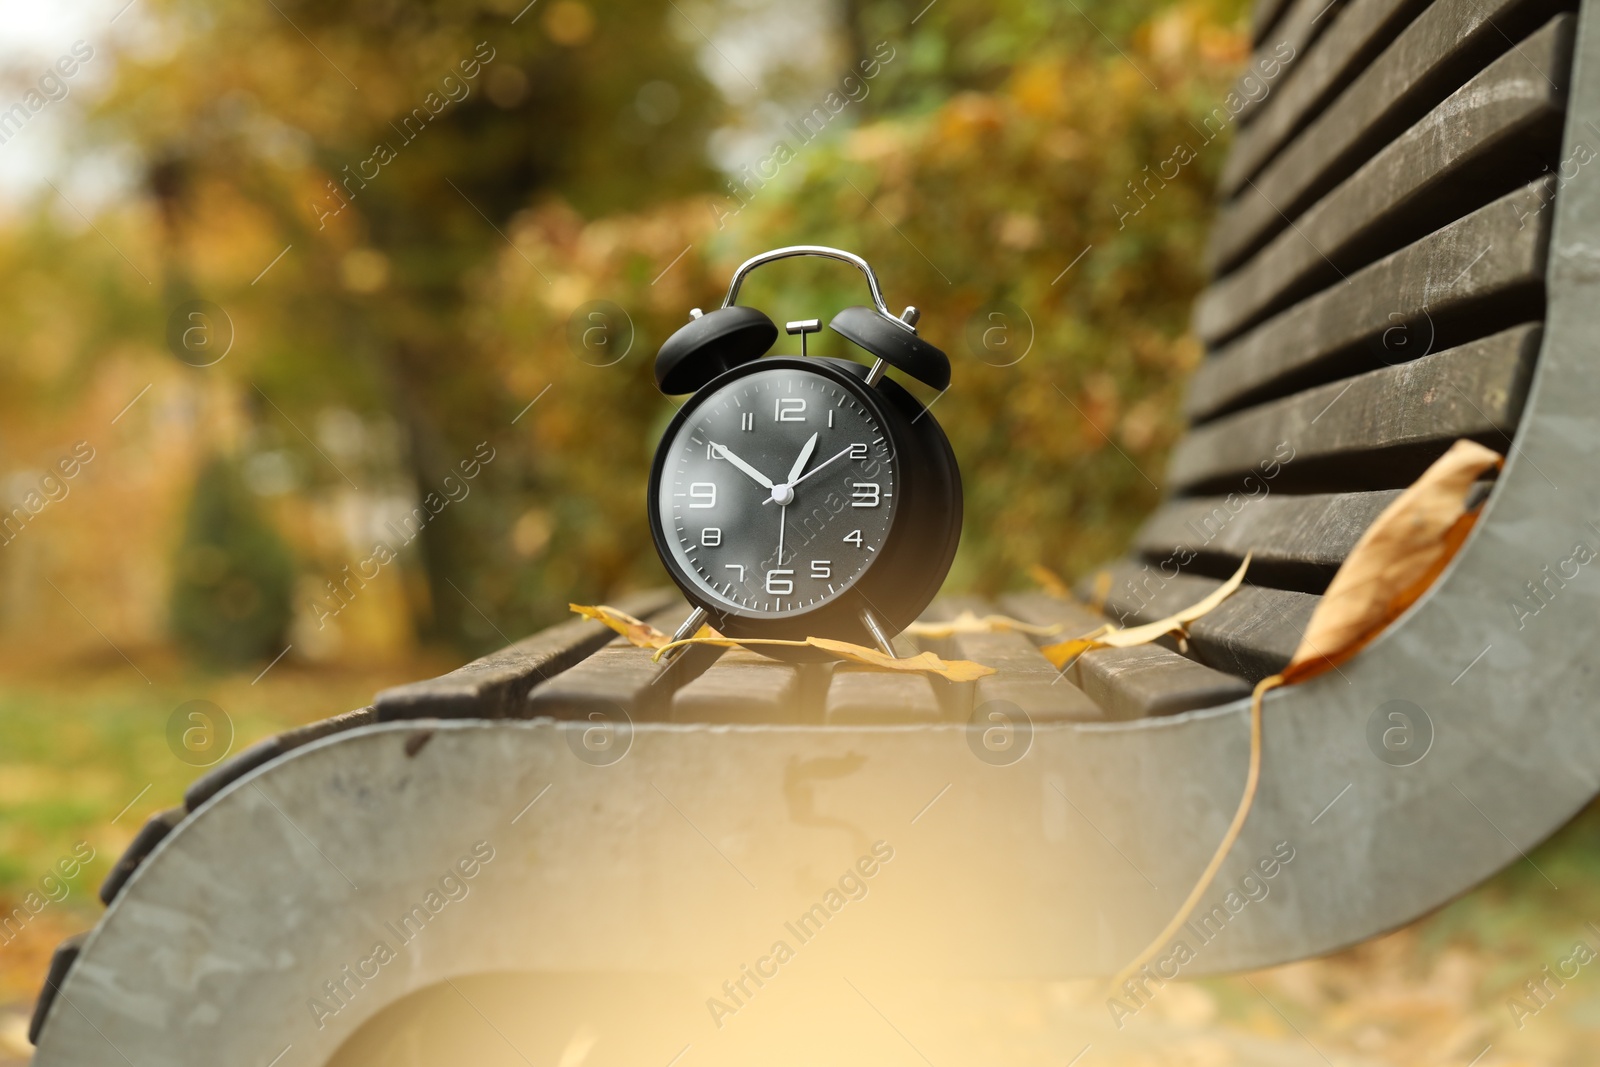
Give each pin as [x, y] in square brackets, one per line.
[813, 470]
[766, 483]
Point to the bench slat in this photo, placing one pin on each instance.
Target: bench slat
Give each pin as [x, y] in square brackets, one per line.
[1026, 678]
[1378, 430]
[494, 687]
[1443, 289]
[622, 676]
[1251, 634]
[1299, 541]
[1438, 52]
[1355, 35]
[1264, 16]
[864, 696]
[1299, 28]
[1130, 683]
[1497, 131]
[745, 686]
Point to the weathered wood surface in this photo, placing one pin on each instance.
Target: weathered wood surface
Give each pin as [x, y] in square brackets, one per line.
[1129, 683]
[151, 834]
[1356, 33]
[1026, 678]
[1374, 430]
[1264, 15]
[496, 685]
[1496, 132]
[1298, 541]
[745, 686]
[1390, 309]
[1251, 634]
[622, 677]
[1433, 57]
[865, 696]
[1301, 24]
[270, 748]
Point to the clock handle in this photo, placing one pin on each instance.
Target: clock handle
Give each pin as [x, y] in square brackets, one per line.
[822, 252]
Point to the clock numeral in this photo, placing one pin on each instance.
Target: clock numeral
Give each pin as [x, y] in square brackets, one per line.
[822, 568]
[864, 495]
[778, 584]
[702, 494]
[747, 421]
[789, 409]
[853, 538]
[858, 450]
[711, 537]
[735, 567]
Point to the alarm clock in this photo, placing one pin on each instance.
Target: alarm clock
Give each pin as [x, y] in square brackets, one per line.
[797, 496]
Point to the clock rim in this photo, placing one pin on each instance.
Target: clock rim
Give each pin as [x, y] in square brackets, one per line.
[731, 621]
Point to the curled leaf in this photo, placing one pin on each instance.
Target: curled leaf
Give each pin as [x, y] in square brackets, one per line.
[968, 623]
[955, 670]
[1395, 561]
[1064, 652]
[639, 634]
[1050, 581]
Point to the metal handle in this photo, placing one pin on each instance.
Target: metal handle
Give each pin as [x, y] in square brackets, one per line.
[822, 252]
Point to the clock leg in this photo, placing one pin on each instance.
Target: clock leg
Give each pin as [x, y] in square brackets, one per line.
[879, 634]
[696, 619]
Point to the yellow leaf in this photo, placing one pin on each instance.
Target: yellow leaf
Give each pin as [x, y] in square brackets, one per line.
[1050, 581]
[639, 634]
[968, 623]
[956, 670]
[1064, 652]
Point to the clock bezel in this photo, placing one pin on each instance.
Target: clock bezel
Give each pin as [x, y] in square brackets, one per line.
[918, 471]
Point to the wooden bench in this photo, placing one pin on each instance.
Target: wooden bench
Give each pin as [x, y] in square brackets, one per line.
[1405, 254]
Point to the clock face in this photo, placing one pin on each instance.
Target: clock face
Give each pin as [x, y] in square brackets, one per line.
[777, 492]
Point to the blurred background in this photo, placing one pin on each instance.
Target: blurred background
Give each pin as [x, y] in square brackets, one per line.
[325, 364]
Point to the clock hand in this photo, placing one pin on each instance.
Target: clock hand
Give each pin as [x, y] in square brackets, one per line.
[812, 471]
[722, 450]
[800, 462]
[783, 518]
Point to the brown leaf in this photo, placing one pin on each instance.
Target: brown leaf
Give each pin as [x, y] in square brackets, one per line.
[956, 670]
[1395, 561]
[1064, 652]
[639, 634]
[1401, 554]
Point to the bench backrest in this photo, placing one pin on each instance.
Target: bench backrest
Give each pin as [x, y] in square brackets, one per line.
[1378, 266]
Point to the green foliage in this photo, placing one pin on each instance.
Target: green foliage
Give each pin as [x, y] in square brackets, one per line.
[232, 576]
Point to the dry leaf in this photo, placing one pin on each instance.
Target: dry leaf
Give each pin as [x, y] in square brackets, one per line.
[1396, 560]
[1050, 581]
[1064, 652]
[956, 670]
[1102, 591]
[639, 634]
[968, 623]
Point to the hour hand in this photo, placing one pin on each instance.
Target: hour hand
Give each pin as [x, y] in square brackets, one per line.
[722, 451]
[802, 459]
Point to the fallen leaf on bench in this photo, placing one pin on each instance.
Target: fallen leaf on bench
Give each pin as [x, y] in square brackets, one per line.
[968, 623]
[955, 670]
[1050, 582]
[643, 635]
[1064, 652]
[640, 634]
[1395, 561]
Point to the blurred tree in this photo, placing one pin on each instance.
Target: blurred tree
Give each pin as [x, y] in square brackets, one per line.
[384, 144]
[232, 576]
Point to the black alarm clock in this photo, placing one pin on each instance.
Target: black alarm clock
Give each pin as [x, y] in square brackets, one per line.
[798, 496]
